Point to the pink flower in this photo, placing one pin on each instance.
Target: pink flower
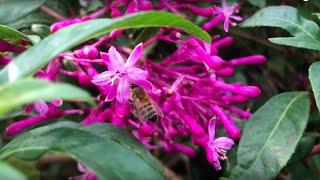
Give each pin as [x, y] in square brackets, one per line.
[225, 13]
[218, 146]
[87, 175]
[7, 47]
[116, 81]
[50, 74]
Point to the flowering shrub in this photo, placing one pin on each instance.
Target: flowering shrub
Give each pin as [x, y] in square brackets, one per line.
[179, 101]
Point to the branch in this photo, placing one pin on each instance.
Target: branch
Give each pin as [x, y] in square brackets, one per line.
[52, 13]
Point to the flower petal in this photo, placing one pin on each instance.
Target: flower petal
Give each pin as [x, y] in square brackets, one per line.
[110, 91]
[144, 83]
[53, 69]
[57, 102]
[42, 74]
[122, 110]
[41, 107]
[137, 74]
[223, 143]
[134, 56]
[237, 18]
[213, 158]
[115, 59]
[104, 78]
[123, 90]
[212, 129]
[177, 83]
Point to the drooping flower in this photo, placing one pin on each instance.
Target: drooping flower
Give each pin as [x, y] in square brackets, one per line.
[116, 81]
[219, 146]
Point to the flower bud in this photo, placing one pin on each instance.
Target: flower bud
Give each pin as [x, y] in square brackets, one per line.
[146, 129]
[256, 59]
[215, 21]
[235, 99]
[226, 41]
[83, 79]
[226, 71]
[4, 60]
[232, 130]
[58, 25]
[17, 127]
[184, 149]
[90, 52]
[250, 91]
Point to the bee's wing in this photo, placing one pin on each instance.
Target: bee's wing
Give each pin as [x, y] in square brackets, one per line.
[158, 109]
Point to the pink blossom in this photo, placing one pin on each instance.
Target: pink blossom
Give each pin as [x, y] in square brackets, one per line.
[219, 146]
[226, 14]
[116, 81]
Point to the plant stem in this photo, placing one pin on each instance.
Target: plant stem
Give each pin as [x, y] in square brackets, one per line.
[52, 13]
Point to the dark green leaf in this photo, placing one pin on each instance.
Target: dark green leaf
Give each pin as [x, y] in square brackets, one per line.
[11, 10]
[300, 171]
[36, 17]
[28, 168]
[15, 94]
[7, 172]
[271, 136]
[258, 3]
[9, 33]
[110, 152]
[306, 32]
[144, 35]
[314, 74]
[304, 147]
[41, 30]
[71, 36]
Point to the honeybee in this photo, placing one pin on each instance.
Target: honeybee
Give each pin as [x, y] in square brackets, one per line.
[145, 109]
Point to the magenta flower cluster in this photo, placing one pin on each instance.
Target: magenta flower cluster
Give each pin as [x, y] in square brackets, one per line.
[188, 86]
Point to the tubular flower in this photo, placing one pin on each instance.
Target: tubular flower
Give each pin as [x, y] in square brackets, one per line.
[187, 84]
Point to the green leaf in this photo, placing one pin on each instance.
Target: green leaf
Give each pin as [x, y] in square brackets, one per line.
[314, 76]
[9, 33]
[271, 136]
[258, 3]
[26, 91]
[7, 172]
[304, 147]
[11, 10]
[71, 36]
[36, 17]
[41, 30]
[306, 33]
[110, 152]
[28, 168]
[317, 14]
[34, 39]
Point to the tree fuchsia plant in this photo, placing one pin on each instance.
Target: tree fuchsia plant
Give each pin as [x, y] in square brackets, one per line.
[189, 86]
